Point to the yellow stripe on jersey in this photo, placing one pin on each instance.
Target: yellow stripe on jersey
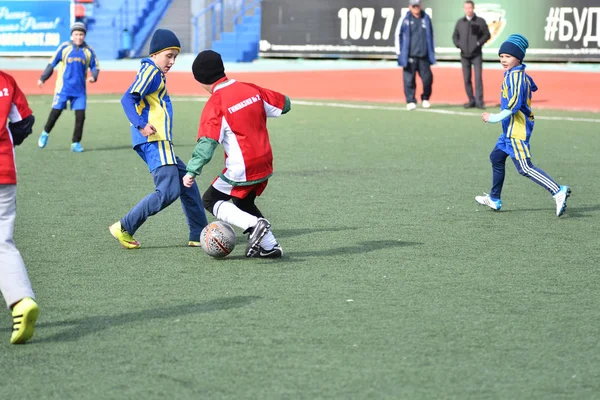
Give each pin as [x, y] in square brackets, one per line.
[142, 79]
[61, 68]
[146, 79]
[510, 126]
[140, 106]
[516, 81]
[138, 77]
[169, 154]
[520, 149]
[55, 54]
[88, 57]
[162, 93]
[93, 54]
[518, 129]
[152, 75]
[161, 151]
[158, 114]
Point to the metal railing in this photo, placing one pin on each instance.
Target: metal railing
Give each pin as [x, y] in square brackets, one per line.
[215, 12]
[246, 6]
[218, 17]
[125, 19]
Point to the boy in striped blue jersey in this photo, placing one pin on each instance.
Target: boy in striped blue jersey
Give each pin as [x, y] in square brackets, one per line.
[517, 125]
[148, 108]
[73, 59]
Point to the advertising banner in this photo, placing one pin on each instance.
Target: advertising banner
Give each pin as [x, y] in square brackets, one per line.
[557, 30]
[34, 27]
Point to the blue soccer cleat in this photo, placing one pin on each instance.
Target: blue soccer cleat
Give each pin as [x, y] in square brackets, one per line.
[76, 147]
[43, 140]
[561, 200]
[488, 201]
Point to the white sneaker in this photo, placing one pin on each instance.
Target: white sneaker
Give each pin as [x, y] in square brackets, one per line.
[561, 200]
[411, 106]
[426, 104]
[487, 201]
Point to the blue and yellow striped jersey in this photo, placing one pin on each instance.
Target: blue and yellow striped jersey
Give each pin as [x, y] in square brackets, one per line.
[73, 62]
[154, 105]
[517, 88]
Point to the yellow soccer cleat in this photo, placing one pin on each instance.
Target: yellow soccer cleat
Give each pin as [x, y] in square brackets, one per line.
[24, 314]
[123, 236]
[193, 243]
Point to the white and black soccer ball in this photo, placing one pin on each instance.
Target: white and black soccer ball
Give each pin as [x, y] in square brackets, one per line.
[217, 239]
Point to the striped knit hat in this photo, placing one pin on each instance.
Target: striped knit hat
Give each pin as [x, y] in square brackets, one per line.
[78, 26]
[516, 45]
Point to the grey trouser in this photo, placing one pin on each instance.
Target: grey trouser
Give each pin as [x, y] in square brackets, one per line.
[476, 63]
[14, 282]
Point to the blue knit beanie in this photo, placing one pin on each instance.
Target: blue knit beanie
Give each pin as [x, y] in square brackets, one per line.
[516, 45]
[163, 39]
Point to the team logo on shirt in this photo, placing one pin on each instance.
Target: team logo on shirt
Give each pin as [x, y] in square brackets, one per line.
[505, 90]
[76, 59]
[495, 17]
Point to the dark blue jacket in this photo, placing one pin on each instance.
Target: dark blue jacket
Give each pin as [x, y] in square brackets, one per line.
[403, 39]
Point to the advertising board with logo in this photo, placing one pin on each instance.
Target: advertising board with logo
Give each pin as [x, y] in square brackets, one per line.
[34, 27]
[557, 30]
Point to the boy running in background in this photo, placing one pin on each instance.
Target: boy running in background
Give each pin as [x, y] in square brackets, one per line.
[73, 59]
[14, 281]
[517, 125]
[148, 108]
[236, 117]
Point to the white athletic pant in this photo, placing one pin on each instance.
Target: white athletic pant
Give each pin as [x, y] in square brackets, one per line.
[14, 282]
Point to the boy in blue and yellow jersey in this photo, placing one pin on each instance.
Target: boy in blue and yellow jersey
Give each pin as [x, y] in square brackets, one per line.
[73, 58]
[148, 107]
[517, 125]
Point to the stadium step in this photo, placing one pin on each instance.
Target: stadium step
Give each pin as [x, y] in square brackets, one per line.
[240, 45]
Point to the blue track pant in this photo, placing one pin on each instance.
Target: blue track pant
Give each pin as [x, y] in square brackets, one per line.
[169, 187]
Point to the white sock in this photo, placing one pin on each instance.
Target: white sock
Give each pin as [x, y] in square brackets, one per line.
[228, 212]
[268, 241]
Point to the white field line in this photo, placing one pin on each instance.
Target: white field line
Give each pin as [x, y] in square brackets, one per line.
[369, 107]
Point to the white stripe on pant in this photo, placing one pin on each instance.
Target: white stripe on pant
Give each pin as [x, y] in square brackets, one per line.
[14, 282]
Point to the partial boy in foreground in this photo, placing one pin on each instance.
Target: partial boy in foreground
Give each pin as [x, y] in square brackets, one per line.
[14, 281]
[517, 125]
[236, 117]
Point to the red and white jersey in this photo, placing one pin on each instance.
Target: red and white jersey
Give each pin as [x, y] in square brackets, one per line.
[13, 108]
[236, 117]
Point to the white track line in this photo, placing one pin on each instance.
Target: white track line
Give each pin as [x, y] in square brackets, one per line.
[367, 107]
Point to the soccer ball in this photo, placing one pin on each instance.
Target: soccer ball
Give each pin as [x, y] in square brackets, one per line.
[217, 239]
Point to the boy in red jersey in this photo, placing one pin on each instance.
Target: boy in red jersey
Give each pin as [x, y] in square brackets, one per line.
[236, 117]
[14, 281]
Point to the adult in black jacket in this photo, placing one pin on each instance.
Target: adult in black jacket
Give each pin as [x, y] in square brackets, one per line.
[470, 34]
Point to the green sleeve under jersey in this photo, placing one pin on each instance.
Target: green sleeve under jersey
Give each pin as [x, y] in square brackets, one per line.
[203, 152]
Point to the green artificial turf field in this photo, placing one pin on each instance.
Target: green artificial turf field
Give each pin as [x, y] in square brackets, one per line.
[395, 283]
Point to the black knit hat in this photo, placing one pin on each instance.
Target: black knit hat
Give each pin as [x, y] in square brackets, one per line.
[208, 67]
[163, 39]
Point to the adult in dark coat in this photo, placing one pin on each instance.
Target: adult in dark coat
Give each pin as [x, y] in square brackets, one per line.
[470, 34]
[416, 53]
